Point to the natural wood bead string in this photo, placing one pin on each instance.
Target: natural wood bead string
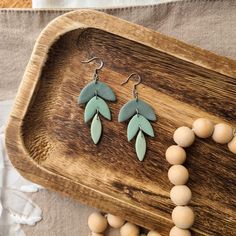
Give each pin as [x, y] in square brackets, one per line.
[98, 223]
[232, 145]
[95, 234]
[180, 232]
[180, 194]
[175, 155]
[178, 175]
[223, 133]
[115, 221]
[153, 233]
[184, 136]
[129, 229]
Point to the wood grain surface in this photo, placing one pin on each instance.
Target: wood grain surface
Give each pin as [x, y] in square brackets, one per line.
[15, 3]
[48, 142]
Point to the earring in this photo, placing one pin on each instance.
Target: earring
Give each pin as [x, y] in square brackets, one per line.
[141, 113]
[94, 94]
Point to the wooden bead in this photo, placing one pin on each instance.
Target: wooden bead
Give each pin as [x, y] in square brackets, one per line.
[184, 136]
[175, 155]
[115, 221]
[183, 217]
[223, 133]
[203, 128]
[178, 175]
[97, 222]
[175, 231]
[181, 195]
[95, 234]
[153, 233]
[232, 145]
[129, 229]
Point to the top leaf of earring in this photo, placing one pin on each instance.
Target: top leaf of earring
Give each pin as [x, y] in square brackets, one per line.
[131, 108]
[98, 88]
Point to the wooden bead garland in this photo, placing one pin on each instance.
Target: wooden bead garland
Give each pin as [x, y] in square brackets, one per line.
[184, 136]
[153, 233]
[178, 175]
[129, 229]
[175, 231]
[175, 155]
[180, 194]
[232, 145]
[95, 234]
[223, 133]
[115, 221]
[203, 128]
[183, 217]
[98, 223]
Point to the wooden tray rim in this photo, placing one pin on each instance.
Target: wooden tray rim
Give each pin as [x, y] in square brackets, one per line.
[86, 19]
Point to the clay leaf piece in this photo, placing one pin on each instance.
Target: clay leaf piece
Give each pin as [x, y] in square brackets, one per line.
[93, 88]
[131, 108]
[136, 123]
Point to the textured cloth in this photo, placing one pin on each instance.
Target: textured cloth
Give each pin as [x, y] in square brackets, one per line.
[207, 24]
[93, 3]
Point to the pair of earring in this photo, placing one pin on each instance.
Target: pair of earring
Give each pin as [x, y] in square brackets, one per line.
[139, 112]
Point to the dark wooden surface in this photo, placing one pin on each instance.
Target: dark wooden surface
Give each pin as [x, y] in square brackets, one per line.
[58, 147]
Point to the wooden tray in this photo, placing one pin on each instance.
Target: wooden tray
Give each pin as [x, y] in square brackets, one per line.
[49, 143]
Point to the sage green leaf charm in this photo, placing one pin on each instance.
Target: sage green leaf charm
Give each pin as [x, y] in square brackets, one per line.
[96, 88]
[96, 129]
[131, 107]
[140, 145]
[139, 122]
[96, 104]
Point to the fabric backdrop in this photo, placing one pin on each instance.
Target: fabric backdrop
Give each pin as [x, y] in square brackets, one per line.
[93, 3]
[207, 24]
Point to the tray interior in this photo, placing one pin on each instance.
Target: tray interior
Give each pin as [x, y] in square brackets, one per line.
[58, 140]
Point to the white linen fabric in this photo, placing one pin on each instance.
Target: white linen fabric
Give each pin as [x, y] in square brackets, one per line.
[93, 3]
[16, 207]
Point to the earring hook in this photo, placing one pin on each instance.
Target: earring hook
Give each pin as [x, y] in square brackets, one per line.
[93, 59]
[134, 91]
[97, 69]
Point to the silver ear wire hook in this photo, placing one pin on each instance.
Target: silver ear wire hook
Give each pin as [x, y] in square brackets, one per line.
[97, 69]
[134, 91]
